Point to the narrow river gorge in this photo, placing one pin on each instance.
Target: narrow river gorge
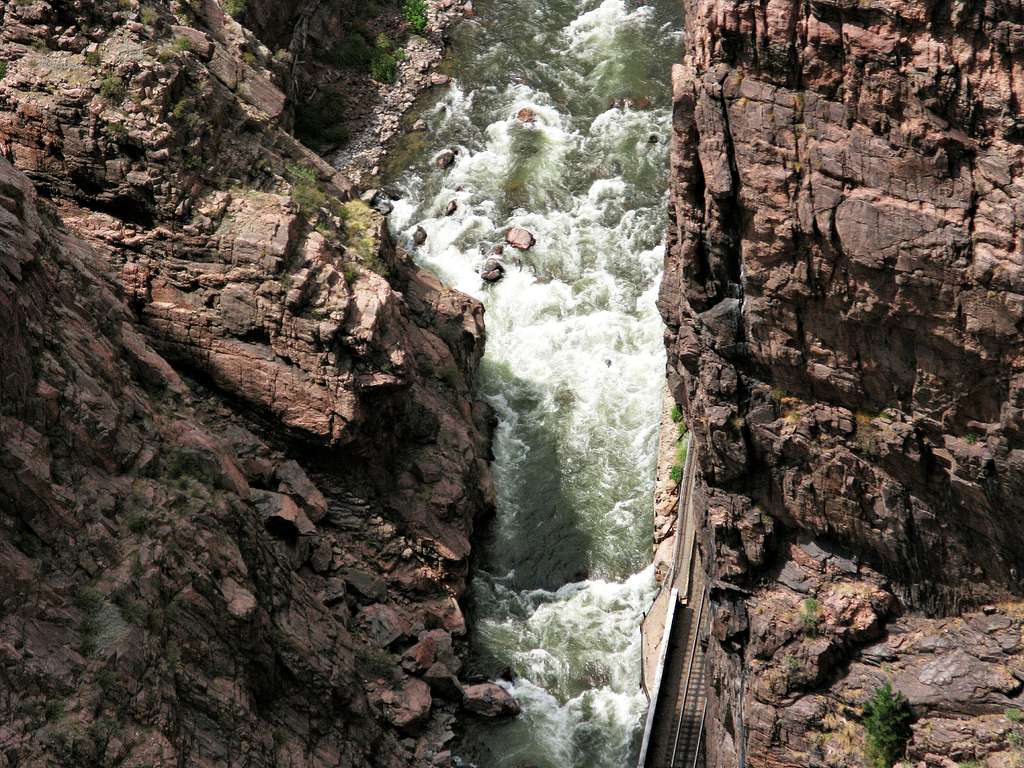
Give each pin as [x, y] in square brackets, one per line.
[558, 113]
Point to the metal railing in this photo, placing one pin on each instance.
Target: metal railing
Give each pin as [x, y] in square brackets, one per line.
[696, 631]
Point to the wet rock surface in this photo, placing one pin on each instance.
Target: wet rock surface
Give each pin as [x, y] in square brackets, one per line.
[843, 296]
[241, 462]
[520, 238]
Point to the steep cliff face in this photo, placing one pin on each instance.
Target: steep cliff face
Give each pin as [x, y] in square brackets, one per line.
[844, 293]
[241, 461]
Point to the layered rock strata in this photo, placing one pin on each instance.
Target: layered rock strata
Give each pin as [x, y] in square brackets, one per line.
[241, 460]
[844, 296]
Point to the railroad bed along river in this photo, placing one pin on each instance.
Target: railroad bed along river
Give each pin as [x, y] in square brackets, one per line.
[574, 363]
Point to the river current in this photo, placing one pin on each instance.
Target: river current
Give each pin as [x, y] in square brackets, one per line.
[574, 363]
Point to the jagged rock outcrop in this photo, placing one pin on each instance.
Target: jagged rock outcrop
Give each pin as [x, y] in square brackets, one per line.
[241, 459]
[844, 295]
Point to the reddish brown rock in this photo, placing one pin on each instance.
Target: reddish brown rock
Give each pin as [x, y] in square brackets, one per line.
[218, 425]
[520, 238]
[526, 115]
[843, 292]
[489, 700]
[408, 706]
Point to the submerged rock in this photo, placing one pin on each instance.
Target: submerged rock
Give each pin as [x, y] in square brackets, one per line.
[452, 207]
[445, 158]
[526, 115]
[419, 237]
[520, 238]
[492, 271]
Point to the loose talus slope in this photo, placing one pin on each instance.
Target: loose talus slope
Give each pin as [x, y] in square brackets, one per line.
[844, 292]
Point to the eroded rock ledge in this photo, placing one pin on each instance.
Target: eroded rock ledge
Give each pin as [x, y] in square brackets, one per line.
[844, 293]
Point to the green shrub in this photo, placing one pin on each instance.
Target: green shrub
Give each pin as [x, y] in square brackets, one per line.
[138, 521]
[234, 8]
[149, 16]
[1014, 715]
[352, 52]
[680, 452]
[383, 67]
[112, 89]
[886, 720]
[306, 190]
[54, 710]
[92, 58]
[676, 473]
[88, 600]
[810, 615]
[677, 414]
[182, 44]
[3, 69]
[116, 131]
[351, 273]
[319, 121]
[415, 12]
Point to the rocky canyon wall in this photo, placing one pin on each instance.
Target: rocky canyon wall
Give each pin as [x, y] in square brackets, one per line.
[241, 462]
[844, 293]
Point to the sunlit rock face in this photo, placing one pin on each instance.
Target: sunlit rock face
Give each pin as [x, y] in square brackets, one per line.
[843, 292]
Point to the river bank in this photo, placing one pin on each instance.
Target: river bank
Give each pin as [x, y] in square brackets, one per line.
[374, 118]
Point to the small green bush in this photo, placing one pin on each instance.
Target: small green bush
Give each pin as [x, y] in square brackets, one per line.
[149, 16]
[1014, 715]
[112, 89]
[352, 52]
[88, 600]
[383, 68]
[887, 723]
[92, 58]
[810, 615]
[234, 8]
[3, 69]
[676, 473]
[182, 44]
[54, 710]
[306, 191]
[677, 414]
[415, 12]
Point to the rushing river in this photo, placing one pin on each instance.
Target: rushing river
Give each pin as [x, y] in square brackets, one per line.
[574, 363]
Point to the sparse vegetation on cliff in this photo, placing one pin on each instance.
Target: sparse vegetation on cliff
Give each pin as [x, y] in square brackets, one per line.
[415, 12]
[887, 724]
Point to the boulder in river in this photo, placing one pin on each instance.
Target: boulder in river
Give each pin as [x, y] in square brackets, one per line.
[520, 238]
[378, 200]
[419, 237]
[492, 271]
[438, 79]
[451, 208]
[489, 700]
[526, 115]
[420, 125]
[445, 158]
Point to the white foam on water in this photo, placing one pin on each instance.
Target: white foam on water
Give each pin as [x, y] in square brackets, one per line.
[574, 350]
